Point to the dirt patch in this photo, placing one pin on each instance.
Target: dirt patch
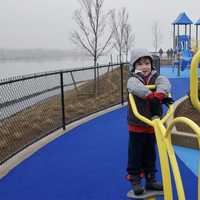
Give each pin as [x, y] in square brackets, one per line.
[186, 109]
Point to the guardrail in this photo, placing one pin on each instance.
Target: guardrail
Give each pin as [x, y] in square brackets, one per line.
[35, 105]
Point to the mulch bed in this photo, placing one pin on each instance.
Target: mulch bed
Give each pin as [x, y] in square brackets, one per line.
[185, 109]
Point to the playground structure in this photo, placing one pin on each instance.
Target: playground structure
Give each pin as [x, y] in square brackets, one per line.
[163, 137]
[182, 47]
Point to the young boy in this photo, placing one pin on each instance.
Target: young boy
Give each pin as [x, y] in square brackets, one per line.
[141, 149]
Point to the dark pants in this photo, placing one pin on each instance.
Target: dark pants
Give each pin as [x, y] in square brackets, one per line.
[141, 153]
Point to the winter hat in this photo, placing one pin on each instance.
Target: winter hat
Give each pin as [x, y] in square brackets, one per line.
[137, 54]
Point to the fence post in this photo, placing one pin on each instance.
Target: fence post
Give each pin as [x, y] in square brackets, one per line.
[122, 86]
[62, 100]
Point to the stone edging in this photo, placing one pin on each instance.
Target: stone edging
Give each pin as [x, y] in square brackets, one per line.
[6, 167]
[183, 138]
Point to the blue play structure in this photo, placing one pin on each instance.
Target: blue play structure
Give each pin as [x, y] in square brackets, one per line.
[185, 52]
[182, 43]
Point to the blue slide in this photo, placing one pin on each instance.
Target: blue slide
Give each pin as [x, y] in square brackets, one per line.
[186, 59]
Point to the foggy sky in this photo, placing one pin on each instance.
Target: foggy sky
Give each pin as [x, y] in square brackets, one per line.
[47, 23]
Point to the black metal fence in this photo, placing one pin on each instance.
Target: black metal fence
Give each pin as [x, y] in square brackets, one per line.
[34, 106]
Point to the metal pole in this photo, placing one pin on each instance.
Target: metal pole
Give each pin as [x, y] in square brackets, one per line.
[185, 29]
[178, 53]
[197, 27]
[190, 37]
[62, 100]
[174, 36]
[111, 60]
[122, 86]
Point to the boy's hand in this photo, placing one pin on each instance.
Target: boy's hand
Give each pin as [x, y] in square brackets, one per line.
[167, 101]
[158, 95]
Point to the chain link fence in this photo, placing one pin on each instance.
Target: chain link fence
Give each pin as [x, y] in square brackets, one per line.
[34, 106]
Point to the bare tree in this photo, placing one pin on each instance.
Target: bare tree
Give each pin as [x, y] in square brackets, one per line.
[119, 23]
[93, 35]
[129, 39]
[157, 36]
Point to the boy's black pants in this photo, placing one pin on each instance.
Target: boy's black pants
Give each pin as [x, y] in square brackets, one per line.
[141, 153]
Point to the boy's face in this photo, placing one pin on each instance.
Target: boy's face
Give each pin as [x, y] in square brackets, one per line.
[143, 65]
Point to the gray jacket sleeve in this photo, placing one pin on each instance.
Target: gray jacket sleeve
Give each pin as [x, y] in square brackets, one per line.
[136, 87]
[162, 84]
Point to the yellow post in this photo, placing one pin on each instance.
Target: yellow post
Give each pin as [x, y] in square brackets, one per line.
[194, 93]
[194, 81]
[164, 162]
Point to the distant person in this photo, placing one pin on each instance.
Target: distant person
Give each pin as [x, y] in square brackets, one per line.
[141, 149]
[173, 53]
[168, 54]
[160, 52]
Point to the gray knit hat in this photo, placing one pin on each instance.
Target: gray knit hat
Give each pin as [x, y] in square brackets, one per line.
[137, 54]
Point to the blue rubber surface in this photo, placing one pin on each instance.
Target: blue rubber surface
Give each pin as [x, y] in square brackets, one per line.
[190, 157]
[88, 163]
[171, 72]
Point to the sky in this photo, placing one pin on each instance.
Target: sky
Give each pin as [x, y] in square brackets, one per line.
[48, 23]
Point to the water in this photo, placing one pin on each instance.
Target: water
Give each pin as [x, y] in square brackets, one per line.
[23, 89]
[12, 68]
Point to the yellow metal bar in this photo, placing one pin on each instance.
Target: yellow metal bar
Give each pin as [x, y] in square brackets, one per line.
[187, 121]
[164, 161]
[151, 87]
[166, 151]
[194, 81]
[151, 198]
[195, 128]
[136, 113]
[174, 166]
[168, 114]
[194, 93]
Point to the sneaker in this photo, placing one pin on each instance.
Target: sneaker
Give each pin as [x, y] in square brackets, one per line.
[136, 184]
[151, 183]
[137, 188]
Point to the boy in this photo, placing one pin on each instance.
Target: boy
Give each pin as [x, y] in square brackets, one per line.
[141, 149]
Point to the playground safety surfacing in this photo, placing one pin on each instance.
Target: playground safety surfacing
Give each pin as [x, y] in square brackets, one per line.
[89, 163]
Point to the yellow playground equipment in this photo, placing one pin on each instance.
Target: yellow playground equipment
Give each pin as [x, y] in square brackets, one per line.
[163, 137]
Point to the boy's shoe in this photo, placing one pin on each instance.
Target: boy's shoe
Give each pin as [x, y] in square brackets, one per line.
[152, 184]
[137, 188]
[136, 184]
